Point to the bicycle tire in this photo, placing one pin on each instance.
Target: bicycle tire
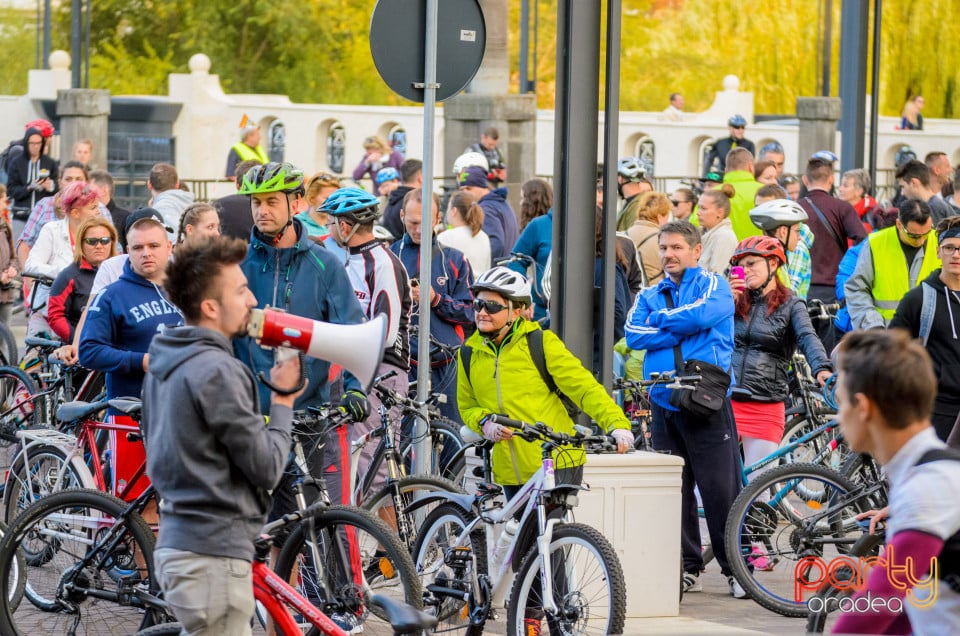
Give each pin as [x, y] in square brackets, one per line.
[604, 579]
[445, 442]
[386, 566]
[165, 629]
[72, 522]
[9, 352]
[440, 529]
[411, 488]
[48, 470]
[757, 529]
[17, 410]
[15, 595]
[867, 545]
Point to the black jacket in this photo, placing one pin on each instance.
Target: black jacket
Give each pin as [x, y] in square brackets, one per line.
[943, 345]
[718, 153]
[764, 345]
[236, 216]
[391, 212]
[18, 183]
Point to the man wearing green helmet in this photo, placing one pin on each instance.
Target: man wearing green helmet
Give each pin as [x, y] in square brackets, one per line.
[286, 271]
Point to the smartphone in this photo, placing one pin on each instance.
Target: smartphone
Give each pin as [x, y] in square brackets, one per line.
[737, 272]
[43, 174]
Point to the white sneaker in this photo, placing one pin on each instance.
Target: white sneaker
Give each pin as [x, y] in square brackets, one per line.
[736, 590]
[691, 583]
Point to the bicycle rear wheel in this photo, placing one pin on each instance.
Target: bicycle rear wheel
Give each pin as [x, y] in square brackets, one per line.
[829, 596]
[9, 353]
[17, 408]
[588, 586]
[449, 567]
[359, 557]
[39, 472]
[386, 505]
[96, 570]
[776, 532]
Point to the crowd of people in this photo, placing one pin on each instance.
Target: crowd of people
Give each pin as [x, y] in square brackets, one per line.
[715, 275]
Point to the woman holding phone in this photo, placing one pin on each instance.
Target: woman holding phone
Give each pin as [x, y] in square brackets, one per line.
[770, 324]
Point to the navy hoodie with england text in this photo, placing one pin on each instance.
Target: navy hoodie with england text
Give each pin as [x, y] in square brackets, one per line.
[121, 322]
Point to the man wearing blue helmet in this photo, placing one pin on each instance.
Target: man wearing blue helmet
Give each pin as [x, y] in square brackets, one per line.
[715, 159]
[382, 286]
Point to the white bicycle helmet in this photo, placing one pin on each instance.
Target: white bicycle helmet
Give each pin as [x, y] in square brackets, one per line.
[506, 282]
[772, 214]
[631, 168]
[468, 159]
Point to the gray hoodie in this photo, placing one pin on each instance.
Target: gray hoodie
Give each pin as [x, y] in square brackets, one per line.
[171, 204]
[209, 454]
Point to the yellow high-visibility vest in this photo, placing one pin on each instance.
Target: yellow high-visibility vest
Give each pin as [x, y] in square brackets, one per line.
[891, 277]
[246, 153]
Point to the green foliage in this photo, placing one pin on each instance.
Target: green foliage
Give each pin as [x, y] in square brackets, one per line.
[318, 51]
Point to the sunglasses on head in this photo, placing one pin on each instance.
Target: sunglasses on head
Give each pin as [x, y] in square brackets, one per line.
[106, 240]
[489, 306]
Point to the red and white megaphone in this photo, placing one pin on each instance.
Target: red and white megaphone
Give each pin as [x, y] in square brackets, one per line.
[357, 348]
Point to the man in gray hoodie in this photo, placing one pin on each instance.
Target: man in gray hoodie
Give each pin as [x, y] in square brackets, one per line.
[167, 197]
[210, 455]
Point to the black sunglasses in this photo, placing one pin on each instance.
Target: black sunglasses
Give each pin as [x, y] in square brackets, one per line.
[106, 240]
[489, 306]
[675, 202]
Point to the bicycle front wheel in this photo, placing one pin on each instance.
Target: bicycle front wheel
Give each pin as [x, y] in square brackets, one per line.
[340, 558]
[587, 585]
[776, 533]
[96, 571]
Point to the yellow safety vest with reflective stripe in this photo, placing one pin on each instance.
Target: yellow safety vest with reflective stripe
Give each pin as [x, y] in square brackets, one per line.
[891, 277]
[246, 153]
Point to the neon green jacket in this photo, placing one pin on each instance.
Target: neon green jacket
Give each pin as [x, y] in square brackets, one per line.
[743, 201]
[505, 380]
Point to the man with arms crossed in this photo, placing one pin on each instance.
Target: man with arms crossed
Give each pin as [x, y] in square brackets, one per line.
[210, 455]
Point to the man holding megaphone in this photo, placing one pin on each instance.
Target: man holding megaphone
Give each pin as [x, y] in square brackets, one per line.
[290, 273]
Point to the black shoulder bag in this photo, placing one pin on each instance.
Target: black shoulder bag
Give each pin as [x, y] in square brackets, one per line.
[707, 395]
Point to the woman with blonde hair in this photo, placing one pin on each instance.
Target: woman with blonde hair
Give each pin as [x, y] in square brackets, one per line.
[653, 210]
[466, 234]
[719, 239]
[96, 242]
[318, 188]
[910, 117]
[377, 156]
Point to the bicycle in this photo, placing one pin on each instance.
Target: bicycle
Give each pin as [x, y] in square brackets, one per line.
[641, 415]
[394, 500]
[793, 512]
[467, 578]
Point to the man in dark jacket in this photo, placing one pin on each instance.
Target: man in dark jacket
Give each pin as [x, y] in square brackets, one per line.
[411, 177]
[211, 458]
[716, 158]
[931, 312]
[33, 175]
[499, 219]
[451, 302]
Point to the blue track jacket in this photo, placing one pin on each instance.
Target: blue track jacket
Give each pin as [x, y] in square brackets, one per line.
[701, 322]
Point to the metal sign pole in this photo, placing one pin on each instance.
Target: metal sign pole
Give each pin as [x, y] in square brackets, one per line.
[422, 436]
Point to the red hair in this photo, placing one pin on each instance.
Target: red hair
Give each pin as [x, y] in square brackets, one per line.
[775, 298]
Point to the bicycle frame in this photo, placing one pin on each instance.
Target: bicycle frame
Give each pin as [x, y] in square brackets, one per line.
[277, 595]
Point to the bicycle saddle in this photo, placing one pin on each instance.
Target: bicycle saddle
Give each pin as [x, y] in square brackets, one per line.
[127, 405]
[41, 343]
[403, 618]
[73, 411]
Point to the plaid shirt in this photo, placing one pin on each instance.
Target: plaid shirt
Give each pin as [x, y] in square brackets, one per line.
[43, 213]
[799, 264]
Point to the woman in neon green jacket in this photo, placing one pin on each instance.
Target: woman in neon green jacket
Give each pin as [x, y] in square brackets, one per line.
[503, 378]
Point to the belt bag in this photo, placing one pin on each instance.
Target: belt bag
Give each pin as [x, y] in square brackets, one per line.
[708, 393]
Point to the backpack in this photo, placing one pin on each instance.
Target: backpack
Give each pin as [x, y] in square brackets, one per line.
[535, 342]
[949, 557]
[13, 150]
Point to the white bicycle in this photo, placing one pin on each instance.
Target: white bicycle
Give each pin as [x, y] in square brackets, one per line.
[467, 570]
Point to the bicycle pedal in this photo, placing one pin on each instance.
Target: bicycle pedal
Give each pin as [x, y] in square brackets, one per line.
[458, 556]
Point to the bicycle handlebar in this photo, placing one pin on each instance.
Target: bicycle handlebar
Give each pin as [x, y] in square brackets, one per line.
[819, 309]
[533, 432]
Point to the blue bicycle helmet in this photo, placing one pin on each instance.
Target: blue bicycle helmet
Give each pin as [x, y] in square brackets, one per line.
[737, 121]
[352, 205]
[387, 174]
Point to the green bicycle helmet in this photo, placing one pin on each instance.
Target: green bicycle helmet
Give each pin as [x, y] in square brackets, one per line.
[272, 177]
[353, 205]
